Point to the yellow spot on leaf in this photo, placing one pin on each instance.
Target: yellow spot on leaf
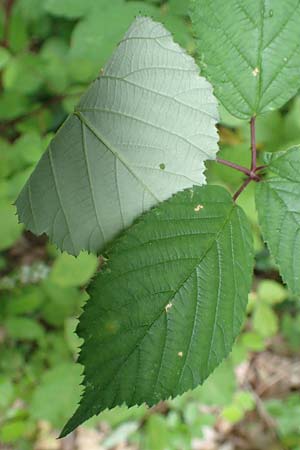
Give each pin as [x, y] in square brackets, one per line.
[180, 354]
[169, 305]
[255, 71]
[198, 208]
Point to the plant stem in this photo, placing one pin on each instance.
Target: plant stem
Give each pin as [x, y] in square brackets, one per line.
[253, 144]
[234, 166]
[261, 167]
[252, 176]
[8, 6]
[241, 189]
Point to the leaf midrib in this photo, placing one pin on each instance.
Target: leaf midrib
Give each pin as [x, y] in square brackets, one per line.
[181, 284]
[114, 151]
[260, 59]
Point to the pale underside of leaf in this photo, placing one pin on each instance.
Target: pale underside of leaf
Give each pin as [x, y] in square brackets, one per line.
[170, 302]
[278, 205]
[140, 133]
[250, 51]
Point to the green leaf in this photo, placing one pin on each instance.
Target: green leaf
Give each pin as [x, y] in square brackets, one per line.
[62, 384]
[12, 431]
[10, 230]
[140, 133]
[71, 9]
[54, 54]
[23, 74]
[290, 329]
[271, 292]
[157, 434]
[250, 52]
[71, 338]
[7, 392]
[17, 32]
[4, 57]
[218, 389]
[277, 200]
[265, 321]
[168, 305]
[61, 302]
[25, 301]
[95, 37]
[233, 413]
[178, 7]
[70, 271]
[12, 105]
[252, 342]
[24, 329]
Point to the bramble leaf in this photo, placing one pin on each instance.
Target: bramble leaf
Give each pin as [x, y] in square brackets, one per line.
[140, 133]
[166, 308]
[250, 52]
[278, 205]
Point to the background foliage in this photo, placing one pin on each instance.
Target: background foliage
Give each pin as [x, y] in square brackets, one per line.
[50, 51]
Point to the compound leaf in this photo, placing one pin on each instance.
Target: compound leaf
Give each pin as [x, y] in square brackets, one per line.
[168, 305]
[278, 205]
[250, 51]
[140, 133]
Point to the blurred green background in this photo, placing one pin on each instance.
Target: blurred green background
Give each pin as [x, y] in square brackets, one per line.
[50, 51]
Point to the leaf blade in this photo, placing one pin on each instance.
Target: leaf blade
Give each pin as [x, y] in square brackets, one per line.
[277, 202]
[180, 308]
[251, 55]
[140, 133]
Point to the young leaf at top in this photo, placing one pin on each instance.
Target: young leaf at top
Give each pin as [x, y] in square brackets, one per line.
[250, 51]
[166, 308]
[278, 205]
[140, 133]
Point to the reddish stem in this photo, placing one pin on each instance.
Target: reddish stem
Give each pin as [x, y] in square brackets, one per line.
[252, 173]
[234, 166]
[260, 167]
[242, 188]
[253, 145]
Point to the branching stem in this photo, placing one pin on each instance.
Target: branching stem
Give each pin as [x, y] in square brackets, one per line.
[234, 166]
[242, 188]
[251, 173]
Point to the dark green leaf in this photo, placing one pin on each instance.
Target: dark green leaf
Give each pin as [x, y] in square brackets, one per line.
[250, 51]
[277, 200]
[167, 307]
